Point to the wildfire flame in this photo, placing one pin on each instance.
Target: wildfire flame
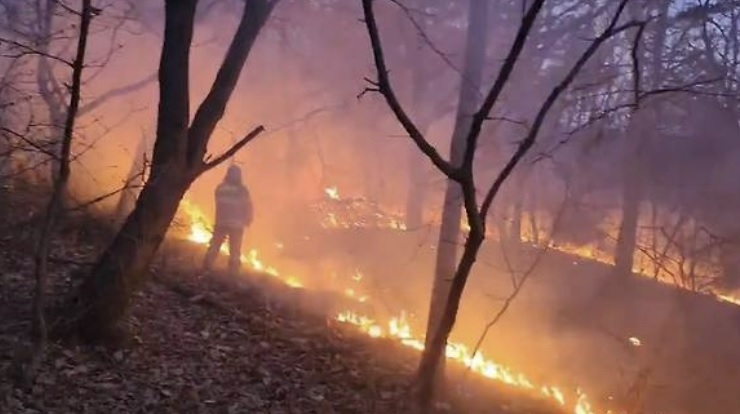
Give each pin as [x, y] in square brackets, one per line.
[200, 233]
[397, 328]
[348, 218]
[349, 213]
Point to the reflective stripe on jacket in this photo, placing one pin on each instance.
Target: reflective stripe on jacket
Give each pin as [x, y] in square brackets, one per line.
[233, 206]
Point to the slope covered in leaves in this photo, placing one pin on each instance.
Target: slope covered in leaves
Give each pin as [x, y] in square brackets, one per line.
[204, 343]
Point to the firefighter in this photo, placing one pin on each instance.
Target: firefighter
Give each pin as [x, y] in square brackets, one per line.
[233, 214]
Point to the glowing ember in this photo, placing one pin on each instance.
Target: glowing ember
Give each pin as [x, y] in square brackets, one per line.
[357, 276]
[351, 293]
[332, 192]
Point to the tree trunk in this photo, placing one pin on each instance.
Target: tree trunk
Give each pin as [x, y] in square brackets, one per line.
[633, 186]
[417, 190]
[449, 234]
[432, 360]
[462, 171]
[632, 195]
[134, 178]
[105, 296]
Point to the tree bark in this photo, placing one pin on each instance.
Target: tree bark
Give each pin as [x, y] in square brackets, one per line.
[633, 185]
[134, 178]
[105, 294]
[122, 269]
[431, 367]
[450, 231]
[632, 195]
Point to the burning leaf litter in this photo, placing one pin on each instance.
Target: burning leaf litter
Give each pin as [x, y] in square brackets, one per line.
[398, 328]
[354, 212]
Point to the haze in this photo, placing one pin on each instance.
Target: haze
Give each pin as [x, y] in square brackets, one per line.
[343, 198]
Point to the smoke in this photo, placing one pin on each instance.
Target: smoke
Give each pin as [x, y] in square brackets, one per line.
[302, 82]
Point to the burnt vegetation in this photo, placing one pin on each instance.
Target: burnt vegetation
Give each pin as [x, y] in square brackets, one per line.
[459, 206]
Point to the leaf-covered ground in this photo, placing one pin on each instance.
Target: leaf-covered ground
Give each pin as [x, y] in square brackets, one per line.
[206, 344]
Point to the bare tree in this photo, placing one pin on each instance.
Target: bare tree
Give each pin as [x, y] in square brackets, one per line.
[54, 205]
[39, 31]
[462, 173]
[449, 233]
[636, 139]
[179, 157]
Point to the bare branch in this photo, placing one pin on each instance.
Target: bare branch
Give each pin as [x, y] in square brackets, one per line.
[25, 50]
[126, 186]
[231, 151]
[123, 90]
[531, 137]
[636, 74]
[211, 110]
[384, 88]
[425, 38]
[501, 80]
[518, 284]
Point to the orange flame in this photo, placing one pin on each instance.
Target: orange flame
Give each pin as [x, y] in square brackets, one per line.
[397, 328]
[333, 219]
[352, 217]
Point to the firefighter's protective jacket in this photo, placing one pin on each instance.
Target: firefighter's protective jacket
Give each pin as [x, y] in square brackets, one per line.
[233, 202]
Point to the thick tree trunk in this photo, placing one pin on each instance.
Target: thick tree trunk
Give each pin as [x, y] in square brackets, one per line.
[449, 234]
[432, 359]
[105, 296]
[445, 264]
[632, 195]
